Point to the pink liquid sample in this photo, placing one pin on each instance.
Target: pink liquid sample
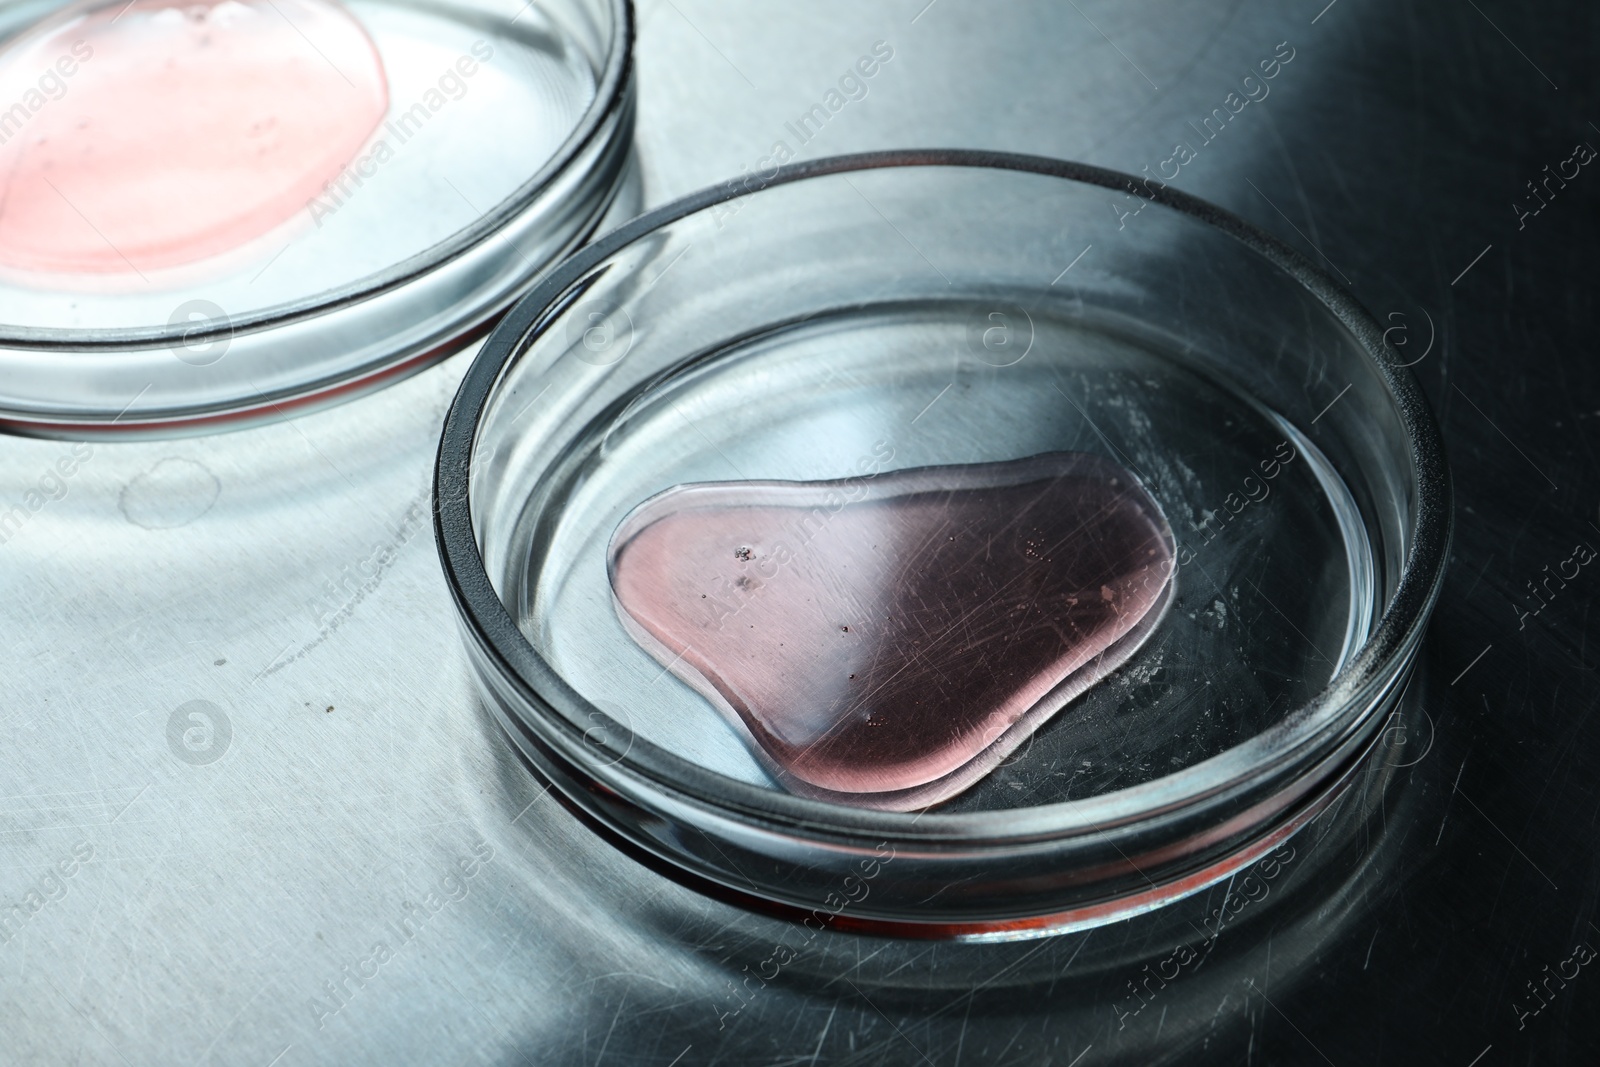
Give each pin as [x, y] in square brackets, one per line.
[161, 133]
[886, 641]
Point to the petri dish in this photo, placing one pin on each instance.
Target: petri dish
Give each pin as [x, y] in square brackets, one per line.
[944, 320]
[225, 211]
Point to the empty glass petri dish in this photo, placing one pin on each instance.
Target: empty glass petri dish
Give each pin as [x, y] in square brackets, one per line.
[1128, 520]
[223, 211]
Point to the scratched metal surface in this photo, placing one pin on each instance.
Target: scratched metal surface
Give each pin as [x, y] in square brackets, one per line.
[220, 896]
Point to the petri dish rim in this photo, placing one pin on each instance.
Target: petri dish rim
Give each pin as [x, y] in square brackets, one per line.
[1309, 733]
[611, 97]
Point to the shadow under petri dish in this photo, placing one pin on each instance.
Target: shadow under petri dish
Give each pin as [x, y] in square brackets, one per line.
[885, 641]
[161, 133]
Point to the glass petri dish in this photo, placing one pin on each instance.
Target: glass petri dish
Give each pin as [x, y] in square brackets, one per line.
[325, 196]
[938, 311]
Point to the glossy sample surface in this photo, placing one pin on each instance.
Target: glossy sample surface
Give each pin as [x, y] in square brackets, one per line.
[163, 133]
[888, 639]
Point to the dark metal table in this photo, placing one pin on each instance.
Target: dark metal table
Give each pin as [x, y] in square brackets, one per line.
[253, 814]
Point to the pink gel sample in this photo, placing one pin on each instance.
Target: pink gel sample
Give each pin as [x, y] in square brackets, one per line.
[886, 641]
[183, 129]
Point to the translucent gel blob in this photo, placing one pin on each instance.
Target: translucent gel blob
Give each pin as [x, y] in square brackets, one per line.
[160, 133]
[887, 640]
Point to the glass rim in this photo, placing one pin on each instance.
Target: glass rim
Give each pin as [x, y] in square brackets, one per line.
[611, 95]
[1304, 737]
